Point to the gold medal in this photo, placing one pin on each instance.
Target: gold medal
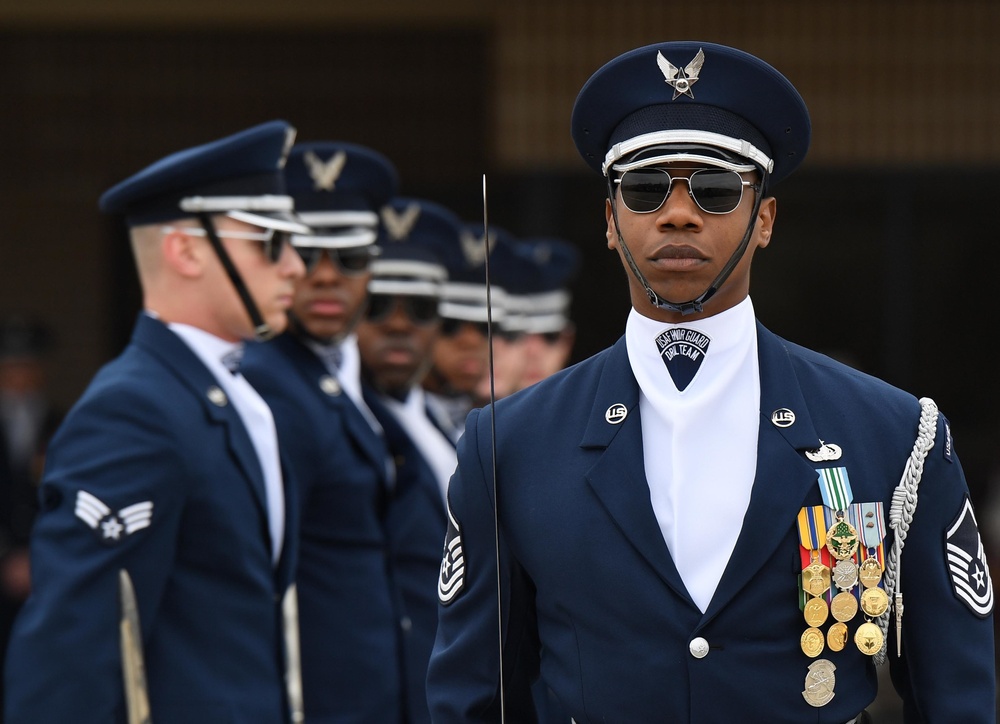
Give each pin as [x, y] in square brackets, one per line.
[874, 601]
[844, 606]
[836, 637]
[812, 642]
[870, 572]
[815, 577]
[819, 683]
[842, 539]
[815, 611]
[868, 638]
[845, 574]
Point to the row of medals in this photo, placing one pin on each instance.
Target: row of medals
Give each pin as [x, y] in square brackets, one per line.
[842, 542]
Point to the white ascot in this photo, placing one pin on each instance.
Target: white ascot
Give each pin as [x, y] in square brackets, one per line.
[700, 445]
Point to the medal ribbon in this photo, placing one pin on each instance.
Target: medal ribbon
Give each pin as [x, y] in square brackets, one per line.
[836, 488]
[812, 527]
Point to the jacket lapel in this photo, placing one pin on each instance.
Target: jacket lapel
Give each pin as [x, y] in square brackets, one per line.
[784, 478]
[619, 478]
[154, 336]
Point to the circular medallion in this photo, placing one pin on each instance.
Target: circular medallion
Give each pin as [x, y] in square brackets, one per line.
[874, 601]
[842, 540]
[816, 611]
[870, 572]
[868, 638]
[820, 682]
[815, 579]
[845, 574]
[836, 637]
[217, 397]
[812, 642]
[616, 413]
[844, 606]
[329, 385]
[783, 417]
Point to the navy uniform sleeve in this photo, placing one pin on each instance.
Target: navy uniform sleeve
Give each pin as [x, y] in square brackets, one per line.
[463, 683]
[947, 669]
[113, 456]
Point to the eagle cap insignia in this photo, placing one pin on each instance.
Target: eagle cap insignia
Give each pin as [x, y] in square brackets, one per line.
[325, 173]
[681, 79]
[474, 248]
[400, 224]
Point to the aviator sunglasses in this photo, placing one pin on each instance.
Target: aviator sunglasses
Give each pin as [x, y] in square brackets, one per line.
[351, 261]
[419, 309]
[715, 191]
[271, 241]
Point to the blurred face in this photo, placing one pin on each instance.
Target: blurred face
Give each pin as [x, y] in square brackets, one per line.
[508, 368]
[460, 357]
[271, 283]
[396, 339]
[546, 354]
[681, 249]
[330, 299]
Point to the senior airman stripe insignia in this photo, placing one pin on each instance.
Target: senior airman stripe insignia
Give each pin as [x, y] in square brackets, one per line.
[970, 576]
[112, 527]
[452, 578]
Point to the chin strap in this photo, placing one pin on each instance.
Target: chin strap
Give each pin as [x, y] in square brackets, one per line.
[698, 303]
[262, 331]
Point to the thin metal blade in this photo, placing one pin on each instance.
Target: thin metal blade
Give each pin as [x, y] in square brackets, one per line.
[133, 667]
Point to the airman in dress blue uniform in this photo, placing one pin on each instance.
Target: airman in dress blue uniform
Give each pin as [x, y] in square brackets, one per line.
[705, 522]
[162, 545]
[364, 489]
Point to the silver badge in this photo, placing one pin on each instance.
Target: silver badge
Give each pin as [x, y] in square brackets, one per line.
[325, 173]
[452, 577]
[820, 682]
[399, 225]
[616, 413]
[329, 385]
[110, 526]
[681, 79]
[783, 417]
[825, 452]
[217, 397]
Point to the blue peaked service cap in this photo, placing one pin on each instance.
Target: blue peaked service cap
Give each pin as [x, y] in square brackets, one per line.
[693, 101]
[417, 234]
[547, 304]
[339, 189]
[239, 175]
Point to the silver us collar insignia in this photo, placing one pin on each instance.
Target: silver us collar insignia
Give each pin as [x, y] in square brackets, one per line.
[112, 527]
[325, 173]
[825, 452]
[474, 248]
[399, 225]
[681, 79]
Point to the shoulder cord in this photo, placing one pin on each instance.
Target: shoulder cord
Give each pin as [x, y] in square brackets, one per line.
[904, 503]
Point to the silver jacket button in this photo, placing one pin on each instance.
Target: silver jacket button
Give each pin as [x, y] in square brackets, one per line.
[698, 648]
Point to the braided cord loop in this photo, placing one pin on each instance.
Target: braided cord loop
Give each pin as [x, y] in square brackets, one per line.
[904, 503]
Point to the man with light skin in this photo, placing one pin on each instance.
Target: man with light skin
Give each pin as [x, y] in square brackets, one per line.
[164, 485]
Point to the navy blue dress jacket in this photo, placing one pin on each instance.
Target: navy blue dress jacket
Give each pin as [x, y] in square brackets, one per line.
[153, 472]
[591, 598]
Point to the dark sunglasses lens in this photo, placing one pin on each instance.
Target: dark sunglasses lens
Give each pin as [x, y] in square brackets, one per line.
[423, 309]
[451, 327]
[379, 307]
[551, 337]
[645, 189]
[274, 246]
[717, 192]
[310, 256]
[352, 261]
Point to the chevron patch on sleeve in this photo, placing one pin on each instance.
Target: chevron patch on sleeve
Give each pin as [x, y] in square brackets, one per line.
[452, 578]
[970, 576]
